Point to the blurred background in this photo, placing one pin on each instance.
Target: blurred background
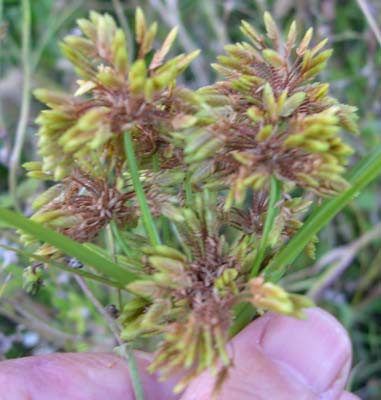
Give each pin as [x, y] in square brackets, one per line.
[344, 279]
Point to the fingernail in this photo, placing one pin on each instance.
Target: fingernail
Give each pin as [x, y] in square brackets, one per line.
[317, 349]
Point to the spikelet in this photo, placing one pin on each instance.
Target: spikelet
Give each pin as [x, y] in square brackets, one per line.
[270, 297]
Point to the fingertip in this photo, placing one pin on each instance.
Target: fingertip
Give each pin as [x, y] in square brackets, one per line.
[78, 376]
[317, 349]
[349, 396]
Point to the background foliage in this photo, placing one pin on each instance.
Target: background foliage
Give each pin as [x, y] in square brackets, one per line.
[346, 276]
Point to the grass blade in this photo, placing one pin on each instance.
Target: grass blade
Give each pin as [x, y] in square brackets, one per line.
[67, 246]
[63, 267]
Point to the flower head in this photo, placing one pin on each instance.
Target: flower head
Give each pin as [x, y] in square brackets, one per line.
[275, 120]
[188, 296]
[80, 207]
[113, 95]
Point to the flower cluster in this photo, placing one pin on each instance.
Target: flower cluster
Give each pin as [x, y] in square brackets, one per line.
[273, 119]
[80, 207]
[188, 295]
[204, 161]
[113, 96]
[80, 136]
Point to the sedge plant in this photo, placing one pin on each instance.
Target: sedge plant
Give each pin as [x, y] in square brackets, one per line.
[205, 192]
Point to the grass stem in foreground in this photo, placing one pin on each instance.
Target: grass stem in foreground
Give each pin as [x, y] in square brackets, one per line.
[148, 221]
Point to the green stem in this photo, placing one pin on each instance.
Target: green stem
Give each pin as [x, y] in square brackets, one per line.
[119, 239]
[164, 223]
[155, 163]
[188, 190]
[115, 329]
[135, 376]
[1, 11]
[110, 242]
[148, 221]
[245, 311]
[166, 230]
[25, 103]
[272, 212]
[111, 323]
[126, 352]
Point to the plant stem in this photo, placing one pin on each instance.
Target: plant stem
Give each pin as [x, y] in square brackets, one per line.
[272, 212]
[134, 374]
[2, 66]
[98, 306]
[126, 352]
[148, 221]
[115, 329]
[25, 104]
[119, 239]
[245, 311]
[110, 242]
[188, 190]
[164, 223]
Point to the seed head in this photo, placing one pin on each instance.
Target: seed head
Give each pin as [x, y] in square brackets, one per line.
[275, 119]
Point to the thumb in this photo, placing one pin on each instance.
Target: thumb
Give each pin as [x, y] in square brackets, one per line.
[278, 357]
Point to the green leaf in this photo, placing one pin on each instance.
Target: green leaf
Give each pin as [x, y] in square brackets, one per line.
[80, 272]
[67, 246]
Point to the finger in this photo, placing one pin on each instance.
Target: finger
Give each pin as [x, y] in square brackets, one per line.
[77, 377]
[282, 358]
[349, 396]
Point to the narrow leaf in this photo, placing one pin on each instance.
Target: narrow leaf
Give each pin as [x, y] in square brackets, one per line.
[67, 246]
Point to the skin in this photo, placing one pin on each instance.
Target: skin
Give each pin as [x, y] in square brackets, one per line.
[275, 357]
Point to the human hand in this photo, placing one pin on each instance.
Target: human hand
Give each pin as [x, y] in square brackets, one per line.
[275, 358]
